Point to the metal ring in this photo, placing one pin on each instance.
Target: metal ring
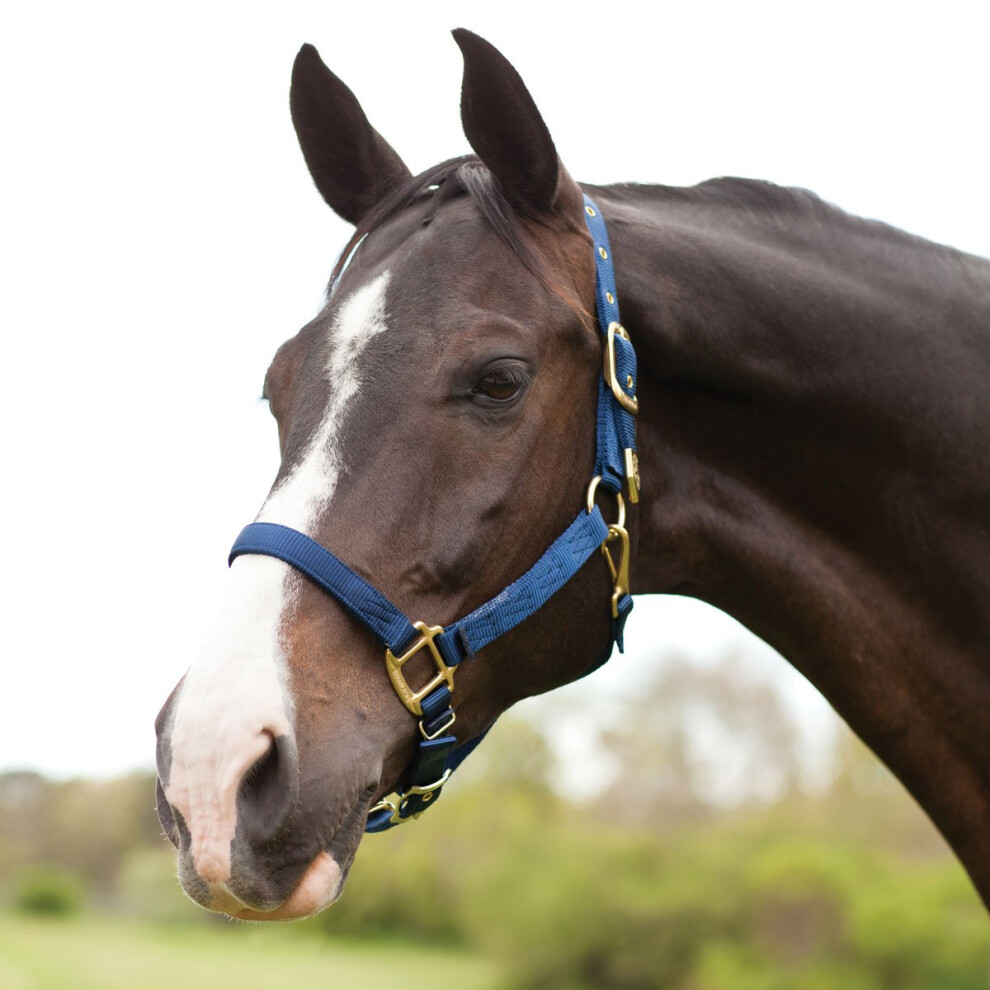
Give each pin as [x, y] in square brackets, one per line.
[593, 487]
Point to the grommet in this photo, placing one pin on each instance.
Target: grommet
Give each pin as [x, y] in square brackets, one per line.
[603, 253]
[629, 381]
[610, 298]
[589, 211]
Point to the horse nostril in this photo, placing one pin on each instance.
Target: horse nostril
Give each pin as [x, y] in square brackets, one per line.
[263, 774]
[267, 793]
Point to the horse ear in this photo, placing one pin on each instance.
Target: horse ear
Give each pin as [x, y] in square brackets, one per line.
[352, 165]
[504, 127]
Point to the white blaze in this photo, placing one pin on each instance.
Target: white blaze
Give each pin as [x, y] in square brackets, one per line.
[311, 483]
[235, 698]
[233, 702]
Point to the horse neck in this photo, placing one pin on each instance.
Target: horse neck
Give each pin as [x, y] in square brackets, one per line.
[814, 462]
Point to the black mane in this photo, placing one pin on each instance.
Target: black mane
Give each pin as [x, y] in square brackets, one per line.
[782, 205]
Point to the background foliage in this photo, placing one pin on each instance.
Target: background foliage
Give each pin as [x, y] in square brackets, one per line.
[693, 866]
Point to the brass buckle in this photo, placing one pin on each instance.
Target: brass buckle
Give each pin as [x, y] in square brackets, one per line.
[620, 574]
[393, 664]
[397, 803]
[628, 402]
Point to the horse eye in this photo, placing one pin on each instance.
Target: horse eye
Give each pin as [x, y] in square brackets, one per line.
[499, 386]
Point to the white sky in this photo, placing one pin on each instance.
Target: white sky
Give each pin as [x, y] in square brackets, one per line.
[161, 237]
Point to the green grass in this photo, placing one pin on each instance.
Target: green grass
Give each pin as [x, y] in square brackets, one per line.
[102, 954]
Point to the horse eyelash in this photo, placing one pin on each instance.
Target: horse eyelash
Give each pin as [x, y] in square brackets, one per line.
[513, 368]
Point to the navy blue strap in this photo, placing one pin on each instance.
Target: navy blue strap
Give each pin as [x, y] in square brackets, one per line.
[433, 759]
[429, 766]
[366, 603]
[465, 637]
[526, 595]
[625, 606]
[616, 427]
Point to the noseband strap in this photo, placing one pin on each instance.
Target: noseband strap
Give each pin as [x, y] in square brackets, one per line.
[461, 639]
[437, 753]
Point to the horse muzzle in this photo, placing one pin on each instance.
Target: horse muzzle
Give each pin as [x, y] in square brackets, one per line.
[248, 846]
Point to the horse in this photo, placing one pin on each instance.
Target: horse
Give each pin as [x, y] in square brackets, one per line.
[808, 406]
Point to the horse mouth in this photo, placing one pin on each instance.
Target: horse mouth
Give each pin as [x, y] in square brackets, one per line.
[251, 892]
[318, 888]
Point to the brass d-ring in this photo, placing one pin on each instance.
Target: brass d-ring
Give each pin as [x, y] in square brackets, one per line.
[620, 501]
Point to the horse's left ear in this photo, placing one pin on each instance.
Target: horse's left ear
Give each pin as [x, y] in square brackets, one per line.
[506, 130]
[352, 165]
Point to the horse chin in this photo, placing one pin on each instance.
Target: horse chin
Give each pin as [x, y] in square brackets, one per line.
[317, 889]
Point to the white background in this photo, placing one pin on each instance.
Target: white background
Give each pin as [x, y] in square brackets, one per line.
[161, 237]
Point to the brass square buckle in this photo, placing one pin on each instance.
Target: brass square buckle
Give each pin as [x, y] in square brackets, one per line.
[628, 402]
[393, 664]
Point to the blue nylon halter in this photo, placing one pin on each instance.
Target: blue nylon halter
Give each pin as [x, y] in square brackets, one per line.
[437, 754]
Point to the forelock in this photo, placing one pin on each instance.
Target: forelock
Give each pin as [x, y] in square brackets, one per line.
[465, 176]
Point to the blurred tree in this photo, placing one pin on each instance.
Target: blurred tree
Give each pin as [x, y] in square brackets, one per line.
[704, 865]
[516, 754]
[24, 802]
[694, 738]
[85, 825]
[48, 889]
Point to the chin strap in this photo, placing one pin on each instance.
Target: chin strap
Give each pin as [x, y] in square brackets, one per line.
[437, 752]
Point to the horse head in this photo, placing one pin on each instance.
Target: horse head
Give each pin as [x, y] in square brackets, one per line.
[436, 422]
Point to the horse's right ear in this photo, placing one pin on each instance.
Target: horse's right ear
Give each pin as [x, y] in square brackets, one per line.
[505, 129]
[352, 165]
